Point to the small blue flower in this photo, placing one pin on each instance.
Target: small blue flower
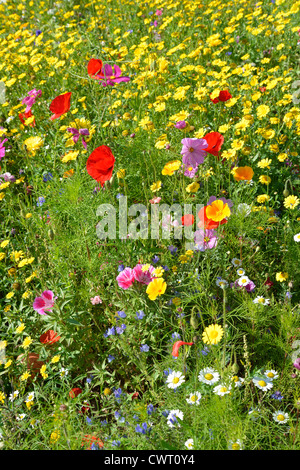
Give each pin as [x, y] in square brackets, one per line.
[40, 201]
[172, 249]
[88, 420]
[122, 314]
[116, 443]
[110, 358]
[47, 177]
[155, 259]
[144, 348]
[109, 332]
[118, 392]
[104, 422]
[38, 32]
[140, 315]
[277, 396]
[142, 429]
[120, 329]
[150, 409]
[121, 268]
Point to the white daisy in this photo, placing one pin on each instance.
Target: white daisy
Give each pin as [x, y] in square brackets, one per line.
[189, 444]
[194, 398]
[173, 418]
[63, 372]
[240, 272]
[238, 381]
[222, 390]
[243, 281]
[262, 384]
[261, 300]
[20, 417]
[254, 413]
[30, 397]
[236, 262]
[271, 374]
[280, 417]
[13, 395]
[175, 379]
[235, 445]
[297, 237]
[208, 376]
[221, 283]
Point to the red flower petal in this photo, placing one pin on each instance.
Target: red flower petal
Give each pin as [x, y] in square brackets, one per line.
[176, 347]
[215, 141]
[187, 220]
[205, 222]
[224, 95]
[75, 392]
[100, 164]
[94, 67]
[50, 337]
[60, 105]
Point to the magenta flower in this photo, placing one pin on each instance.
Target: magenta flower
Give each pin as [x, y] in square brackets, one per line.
[45, 302]
[126, 278]
[180, 125]
[30, 99]
[77, 133]
[205, 239]
[225, 201]
[193, 151]
[111, 75]
[190, 171]
[144, 277]
[297, 363]
[2, 148]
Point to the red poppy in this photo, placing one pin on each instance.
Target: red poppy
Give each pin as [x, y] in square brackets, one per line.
[24, 116]
[205, 222]
[100, 164]
[177, 345]
[224, 95]
[269, 283]
[215, 141]
[60, 105]
[262, 89]
[94, 68]
[187, 220]
[90, 440]
[75, 392]
[134, 395]
[50, 337]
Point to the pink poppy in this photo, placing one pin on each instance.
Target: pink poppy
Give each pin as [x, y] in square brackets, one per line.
[126, 278]
[111, 75]
[45, 302]
[2, 148]
[144, 277]
[30, 99]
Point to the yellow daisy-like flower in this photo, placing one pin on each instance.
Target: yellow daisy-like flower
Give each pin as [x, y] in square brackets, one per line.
[25, 376]
[262, 111]
[121, 173]
[55, 359]
[265, 163]
[20, 328]
[156, 288]
[69, 156]
[2, 398]
[4, 243]
[27, 342]
[264, 179]
[158, 272]
[9, 295]
[263, 198]
[282, 276]
[55, 435]
[2, 256]
[212, 334]
[291, 202]
[155, 186]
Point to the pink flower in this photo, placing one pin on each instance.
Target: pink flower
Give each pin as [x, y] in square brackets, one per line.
[155, 200]
[77, 133]
[126, 278]
[30, 99]
[205, 239]
[144, 277]
[111, 75]
[297, 363]
[96, 300]
[159, 12]
[193, 151]
[45, 302]
[2, 148]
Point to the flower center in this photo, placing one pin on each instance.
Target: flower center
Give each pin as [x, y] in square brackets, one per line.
[235, 446]
[280, 417]
[262, 383]
[213, 334]
[194, 398]
[206, 239]
[223, 389]
[208, 376]
[191, 149]
[175, 380]
[270, 374]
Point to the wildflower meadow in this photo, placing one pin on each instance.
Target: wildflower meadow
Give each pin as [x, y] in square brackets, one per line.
[150, 225]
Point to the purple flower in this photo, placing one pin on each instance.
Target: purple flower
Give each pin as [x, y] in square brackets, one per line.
[144, 348]
[142, 429]
[180, 125]
[193, 151]
[8, 177]
[140, 315]
[110, 358]
[121, 329]
[122, 314]
[77, 133]
[111, 75]
[40, 201]
[277, 396]
[47, 177]
[172, 249]
[121, 267]
[155, 259]
[205, 239]
[30, 99]
[109, 332]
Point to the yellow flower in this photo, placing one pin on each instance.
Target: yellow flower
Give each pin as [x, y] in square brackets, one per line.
[265, 163]
[20, 328]
[27, 342]
[70, 156]
[8, 364]
[282, 157]
[2, 256]
[9, 295]
[25, 376]
[193, 187]
[3, 345]
[212, 334]
[43, 371]
[55, 359]
[170, 167]
[156, 288]
[263, 198]
[282, 276]
[217, 211]
[25, 295]
[32, 144]
[2, 195]
[291, 202]
[262, 111]
[158, 272]
[264, 179]
[2, 398]
[55, 435]
[4, 243]
[121, 173]
[28, 215]
[155, 186]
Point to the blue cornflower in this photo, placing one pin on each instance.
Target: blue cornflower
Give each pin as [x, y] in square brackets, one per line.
[155, 259]
[277, 396]
[176, 336]
[47, 177]
[140, 315]
[150, 409]
[172, 249]
[40, 201]
[121, 329]
[144, 348]
[136, 417]
[122, 314]
[169, 371]
[38, 32]
[110, 358]
[116, 443]
[104, 422]
[165, 413]
[121, 267]
[142, 429]
[88, 420]
[118, 392]
[109, 332]
[166, 268]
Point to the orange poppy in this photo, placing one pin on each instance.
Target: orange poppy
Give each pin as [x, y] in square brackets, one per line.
[207, 223]
[60, 105]
[187, 220]
[243, 173]
[100, 164]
